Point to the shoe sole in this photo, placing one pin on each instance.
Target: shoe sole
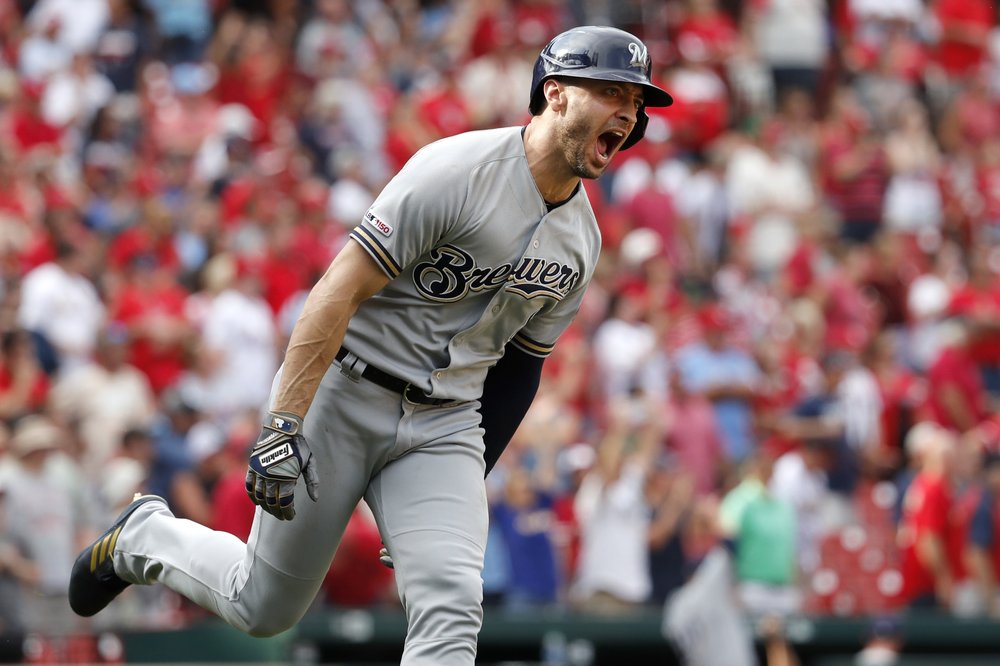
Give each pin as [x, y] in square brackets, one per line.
[88, 592]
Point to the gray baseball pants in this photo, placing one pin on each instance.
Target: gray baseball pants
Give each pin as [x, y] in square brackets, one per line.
[420, 469]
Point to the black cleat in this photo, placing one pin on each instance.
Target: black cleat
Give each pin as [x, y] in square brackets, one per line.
[93, 582]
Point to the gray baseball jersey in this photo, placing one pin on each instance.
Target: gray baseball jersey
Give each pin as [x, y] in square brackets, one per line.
[476, 261]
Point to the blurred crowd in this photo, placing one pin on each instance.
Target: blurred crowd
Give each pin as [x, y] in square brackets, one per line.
[791, 349]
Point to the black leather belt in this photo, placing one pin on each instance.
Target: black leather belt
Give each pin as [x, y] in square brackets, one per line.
[410, 392]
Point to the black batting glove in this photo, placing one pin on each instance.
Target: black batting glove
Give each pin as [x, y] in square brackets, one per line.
[280, 456]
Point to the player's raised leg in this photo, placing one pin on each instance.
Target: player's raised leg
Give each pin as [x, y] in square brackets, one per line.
[265, 585]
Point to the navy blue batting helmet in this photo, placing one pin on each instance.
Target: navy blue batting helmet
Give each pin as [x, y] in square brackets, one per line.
[605, 54]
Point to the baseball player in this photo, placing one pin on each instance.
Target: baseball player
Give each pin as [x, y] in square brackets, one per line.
[413, 361]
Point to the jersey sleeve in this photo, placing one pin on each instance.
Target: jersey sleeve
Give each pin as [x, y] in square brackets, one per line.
[538, 337]
[418, 208]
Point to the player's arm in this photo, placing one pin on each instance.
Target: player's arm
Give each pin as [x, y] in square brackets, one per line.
[508, 392]
[352, 277]
[281, 455]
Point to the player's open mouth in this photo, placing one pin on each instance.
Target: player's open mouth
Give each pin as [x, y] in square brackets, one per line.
[608, 142]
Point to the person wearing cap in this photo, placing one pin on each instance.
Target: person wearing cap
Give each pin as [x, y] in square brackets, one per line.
[17, 572]
[48, 530]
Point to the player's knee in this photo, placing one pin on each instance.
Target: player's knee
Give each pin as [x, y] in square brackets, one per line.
[265, 627]
[267, 622]
[446, 582]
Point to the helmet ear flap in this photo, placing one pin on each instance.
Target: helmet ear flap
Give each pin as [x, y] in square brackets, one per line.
[638, 130]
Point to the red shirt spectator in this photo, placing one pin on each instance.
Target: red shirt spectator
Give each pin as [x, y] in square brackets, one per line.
[856, 177]
[152, 306]
[232, 510]
[980, 303]
[443, 108]
[965, 29]
[24, 386]
[709, 30]
[356, 577]
[956, 398]
[151, 240]
[926, 510]
[29, 130]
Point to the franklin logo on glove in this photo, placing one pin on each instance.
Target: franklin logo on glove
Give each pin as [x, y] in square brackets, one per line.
[275, 455]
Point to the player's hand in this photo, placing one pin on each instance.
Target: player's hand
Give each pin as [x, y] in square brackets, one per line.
[280, 456]
[385, 558]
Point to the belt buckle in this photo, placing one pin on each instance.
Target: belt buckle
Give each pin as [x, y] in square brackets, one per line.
[407, 396]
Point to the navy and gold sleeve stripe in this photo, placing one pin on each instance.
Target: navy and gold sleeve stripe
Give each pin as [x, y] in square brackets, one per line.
[377, 251]
[533, 347]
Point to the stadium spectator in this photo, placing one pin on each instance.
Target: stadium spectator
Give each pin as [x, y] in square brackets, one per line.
[763, 529]
[924, 531]
[982, 548]
[524, 515]
[956, 397]
[240, 335]
[693, 439]
[799, 479]
[60, 305]
[18, 573]
[770, 192]
[49, 530]
[977, 301]
[670, 493]
[173, 474]
[913, 201]
[791, 39]
[613, 571]
[24, 386]
[105, 397]
[724, 374]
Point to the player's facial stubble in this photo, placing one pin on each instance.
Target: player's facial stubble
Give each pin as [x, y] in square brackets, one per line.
[575, 137]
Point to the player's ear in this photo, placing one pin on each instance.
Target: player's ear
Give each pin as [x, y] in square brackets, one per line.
[554, 92]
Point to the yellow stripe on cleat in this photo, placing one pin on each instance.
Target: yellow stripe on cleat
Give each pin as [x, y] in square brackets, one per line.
[114, 540]
[93, 558]
[104, 548]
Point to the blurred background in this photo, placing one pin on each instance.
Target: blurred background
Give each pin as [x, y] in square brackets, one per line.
[771, 432]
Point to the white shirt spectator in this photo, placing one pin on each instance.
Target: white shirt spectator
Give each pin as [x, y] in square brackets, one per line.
[73, 97]
[40, 57]
[614, 524]
[861, 404]
[493, 87]
[65, 308]
[106, 403]
[240, 333]
[81, 22]
[771, 189]
[627, 356]
[805, 489]
[792, 33]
